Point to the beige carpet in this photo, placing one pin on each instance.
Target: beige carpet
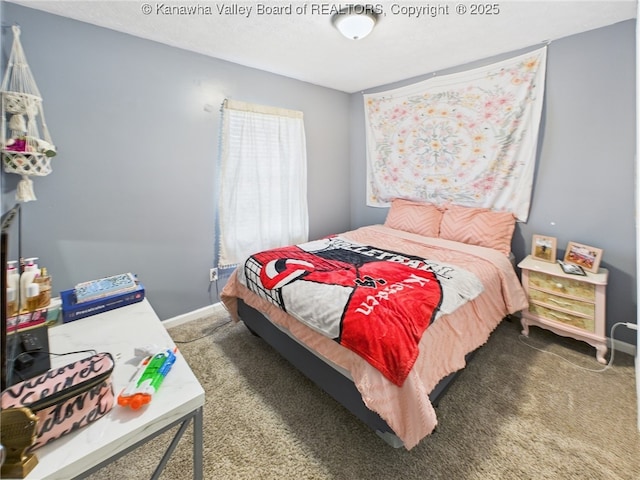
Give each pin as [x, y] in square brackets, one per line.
[514, 413]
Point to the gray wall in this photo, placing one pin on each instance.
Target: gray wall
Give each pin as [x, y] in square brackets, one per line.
[584, 183]
[132, 187]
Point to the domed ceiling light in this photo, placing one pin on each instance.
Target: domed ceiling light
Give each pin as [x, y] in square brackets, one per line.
[355, 21]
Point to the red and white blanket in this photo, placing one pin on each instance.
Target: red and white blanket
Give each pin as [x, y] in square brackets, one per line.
[381, 301]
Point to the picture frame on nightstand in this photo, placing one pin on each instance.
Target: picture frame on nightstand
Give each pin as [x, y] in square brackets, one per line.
[583, 255]
[544, 248]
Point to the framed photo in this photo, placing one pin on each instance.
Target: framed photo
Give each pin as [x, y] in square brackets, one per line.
[544, 248]
[587, 257]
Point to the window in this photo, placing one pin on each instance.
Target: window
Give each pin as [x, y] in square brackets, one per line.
[263, 181]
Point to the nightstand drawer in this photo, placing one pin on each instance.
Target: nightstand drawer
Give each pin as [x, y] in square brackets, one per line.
[565, 286]
[587, 324]
[565, 303]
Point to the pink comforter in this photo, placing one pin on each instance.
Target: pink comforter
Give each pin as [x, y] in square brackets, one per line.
[407, 409]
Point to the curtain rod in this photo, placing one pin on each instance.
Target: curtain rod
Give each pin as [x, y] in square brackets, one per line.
[255, 108]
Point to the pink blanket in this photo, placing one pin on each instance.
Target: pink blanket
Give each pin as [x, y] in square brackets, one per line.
[442, 348]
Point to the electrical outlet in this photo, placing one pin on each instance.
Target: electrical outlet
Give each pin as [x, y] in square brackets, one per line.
[213, 274]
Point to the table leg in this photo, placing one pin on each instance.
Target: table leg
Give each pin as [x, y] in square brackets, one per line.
[198, 444]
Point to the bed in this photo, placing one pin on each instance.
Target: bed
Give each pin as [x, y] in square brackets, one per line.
[383, 316]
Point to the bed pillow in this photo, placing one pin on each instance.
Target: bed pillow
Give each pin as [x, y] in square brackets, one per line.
[414, 217]
[478, 226]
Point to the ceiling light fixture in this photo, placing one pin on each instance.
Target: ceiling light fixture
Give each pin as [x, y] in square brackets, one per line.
[355, 21]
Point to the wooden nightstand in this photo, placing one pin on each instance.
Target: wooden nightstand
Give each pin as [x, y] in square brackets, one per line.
[568, 305]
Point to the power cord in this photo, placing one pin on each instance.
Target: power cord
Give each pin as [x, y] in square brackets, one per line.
[93, 352]
[631, 326]
[217, 289]
[22, 355]
[214, 329]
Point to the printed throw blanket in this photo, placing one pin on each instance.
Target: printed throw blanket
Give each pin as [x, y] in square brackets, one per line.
[375, 302]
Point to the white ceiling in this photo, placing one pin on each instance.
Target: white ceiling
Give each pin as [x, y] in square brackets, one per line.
[306, 46]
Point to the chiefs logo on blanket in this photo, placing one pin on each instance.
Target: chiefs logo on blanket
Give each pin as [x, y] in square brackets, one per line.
[381, 301]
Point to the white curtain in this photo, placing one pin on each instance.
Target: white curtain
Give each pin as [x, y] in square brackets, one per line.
[263, 190]
[468, 138]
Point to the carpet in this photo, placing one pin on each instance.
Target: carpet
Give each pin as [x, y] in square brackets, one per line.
[515, 412]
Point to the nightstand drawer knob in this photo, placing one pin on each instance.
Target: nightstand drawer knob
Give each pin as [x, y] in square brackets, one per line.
[559, 285]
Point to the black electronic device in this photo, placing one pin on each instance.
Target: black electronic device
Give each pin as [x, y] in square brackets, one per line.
[30, 342]
[30, 354]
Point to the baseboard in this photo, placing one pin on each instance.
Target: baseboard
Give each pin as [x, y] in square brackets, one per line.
[625, 347]
[619, 345]
[193, 315]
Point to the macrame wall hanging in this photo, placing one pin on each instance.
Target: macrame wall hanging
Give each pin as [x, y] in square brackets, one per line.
[26, 145]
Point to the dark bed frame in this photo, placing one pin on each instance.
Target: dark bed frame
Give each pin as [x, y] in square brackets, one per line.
[341, 388]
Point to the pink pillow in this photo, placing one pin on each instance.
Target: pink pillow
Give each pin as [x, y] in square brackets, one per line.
[478, 226]
[414, 217]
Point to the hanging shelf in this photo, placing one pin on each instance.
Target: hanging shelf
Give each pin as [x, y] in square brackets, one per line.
[26, 145]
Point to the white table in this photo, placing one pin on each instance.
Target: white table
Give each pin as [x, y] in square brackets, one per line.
[179, 400]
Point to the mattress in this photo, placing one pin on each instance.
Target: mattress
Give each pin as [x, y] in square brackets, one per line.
[443, 347]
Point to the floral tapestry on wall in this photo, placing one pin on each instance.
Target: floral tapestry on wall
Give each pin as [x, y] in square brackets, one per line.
[468, 138]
